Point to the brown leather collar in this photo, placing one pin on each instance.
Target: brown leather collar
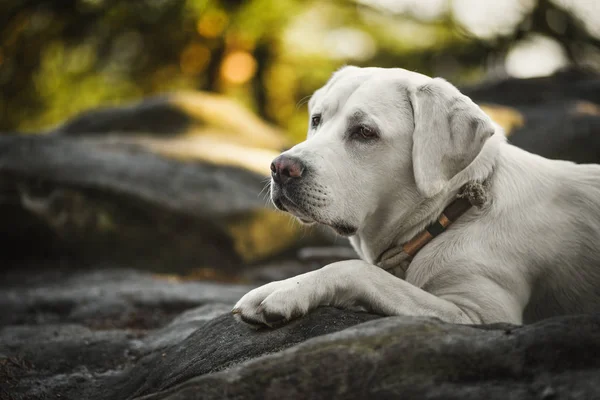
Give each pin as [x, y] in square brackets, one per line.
[397, 258]
[450, 214]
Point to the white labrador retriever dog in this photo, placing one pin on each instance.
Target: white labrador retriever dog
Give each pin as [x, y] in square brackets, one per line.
[387, 150]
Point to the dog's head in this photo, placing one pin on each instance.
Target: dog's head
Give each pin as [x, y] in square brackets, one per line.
[377, 138]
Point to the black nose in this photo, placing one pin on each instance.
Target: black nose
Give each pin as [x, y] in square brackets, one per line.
[284, 168]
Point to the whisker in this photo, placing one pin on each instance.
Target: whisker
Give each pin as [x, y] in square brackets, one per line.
[291, 221]
[267, 201]
[267, 185]
[267, 195]
[305, 230]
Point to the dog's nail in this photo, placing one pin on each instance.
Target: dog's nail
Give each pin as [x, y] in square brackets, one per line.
[252, 322]
[235, 311]
[274, 319]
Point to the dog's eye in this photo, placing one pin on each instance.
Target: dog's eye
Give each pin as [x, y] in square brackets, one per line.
[366, 133]
[315, 121]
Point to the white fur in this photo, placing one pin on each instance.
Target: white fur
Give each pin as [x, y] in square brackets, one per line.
[528, 254]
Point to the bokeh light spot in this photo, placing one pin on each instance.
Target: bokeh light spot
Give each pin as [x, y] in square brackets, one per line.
[238, 67]
[535, 56]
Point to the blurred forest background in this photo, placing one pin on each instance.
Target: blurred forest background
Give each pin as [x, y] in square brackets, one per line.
[58, 58]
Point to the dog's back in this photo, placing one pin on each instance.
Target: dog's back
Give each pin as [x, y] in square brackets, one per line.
[568, 282]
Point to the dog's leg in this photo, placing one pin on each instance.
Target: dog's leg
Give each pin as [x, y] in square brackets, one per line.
[355, 282]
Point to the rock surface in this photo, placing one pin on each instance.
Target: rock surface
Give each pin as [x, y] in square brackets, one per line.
[414, 358]
[94, 197]
[556, 117]
[173, 202]
[116, 333]
[122, 334]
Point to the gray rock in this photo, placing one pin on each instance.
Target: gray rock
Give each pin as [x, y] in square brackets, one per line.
[107, 298]
[418, 358]
[559, 114]
[219, 344]
[181, 327]
[64, 334]
[122, 203]
[109, 333]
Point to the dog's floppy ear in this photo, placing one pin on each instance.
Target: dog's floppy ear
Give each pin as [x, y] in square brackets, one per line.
[450, 131]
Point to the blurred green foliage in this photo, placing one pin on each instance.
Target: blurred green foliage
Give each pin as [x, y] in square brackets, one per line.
[60, 57]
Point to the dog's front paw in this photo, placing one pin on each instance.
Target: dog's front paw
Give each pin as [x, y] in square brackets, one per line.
[274, 304]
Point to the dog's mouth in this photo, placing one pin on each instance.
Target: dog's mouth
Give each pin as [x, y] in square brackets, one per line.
[343, 229]
[287, 202]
